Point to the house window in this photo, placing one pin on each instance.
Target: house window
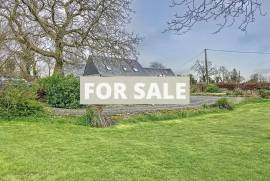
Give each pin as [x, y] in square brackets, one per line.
[135, 69]
[108, 67]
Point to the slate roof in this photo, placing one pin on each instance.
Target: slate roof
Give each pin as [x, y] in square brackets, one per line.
[107, 67]
[159, 72]
[76, 70]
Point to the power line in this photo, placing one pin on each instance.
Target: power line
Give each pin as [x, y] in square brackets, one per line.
[187, 61]
[225, 51]
[242, 52]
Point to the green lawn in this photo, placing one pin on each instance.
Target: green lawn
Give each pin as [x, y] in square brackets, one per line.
[218, 146]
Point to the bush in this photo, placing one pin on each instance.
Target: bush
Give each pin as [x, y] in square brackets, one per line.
[94, 117]
[18, 100]
[42, 86]
[59, 91]
[244, 86]
[265, 94]
[238, 92]
[193, 89]
[212, 88]
[224, 104]
[91, 117]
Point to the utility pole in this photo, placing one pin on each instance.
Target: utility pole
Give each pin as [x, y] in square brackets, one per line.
[206, 66]
[239, 79]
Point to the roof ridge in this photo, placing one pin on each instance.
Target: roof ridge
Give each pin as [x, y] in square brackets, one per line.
[119, 58]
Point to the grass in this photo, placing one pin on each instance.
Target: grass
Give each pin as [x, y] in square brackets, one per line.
[215, 146]
[169, 114]
[221, 94]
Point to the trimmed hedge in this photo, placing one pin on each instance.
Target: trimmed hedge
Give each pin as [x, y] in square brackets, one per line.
[244, 86]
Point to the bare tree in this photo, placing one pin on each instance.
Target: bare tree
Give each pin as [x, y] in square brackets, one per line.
[224, 73]
[60, 29]
[224, 12]
[16, 59]
[50, 64]
[258, 77]
[157, 65]
[234, 75]
[200, 69]
[7, 61]
[2, 38]
[2, 44]
[20, 57]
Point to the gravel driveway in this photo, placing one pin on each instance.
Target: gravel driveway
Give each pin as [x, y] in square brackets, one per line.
[196, 101]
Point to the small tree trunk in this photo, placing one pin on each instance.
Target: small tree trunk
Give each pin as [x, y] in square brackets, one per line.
[49, 69]
[35, 72]
[58, 69]
[59, 60]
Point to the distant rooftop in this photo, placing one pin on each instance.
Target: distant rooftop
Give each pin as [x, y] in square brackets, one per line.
[108, 66]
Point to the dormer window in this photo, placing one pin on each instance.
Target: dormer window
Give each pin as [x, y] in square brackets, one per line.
[125, 69]
[108, 67]
[135, 69]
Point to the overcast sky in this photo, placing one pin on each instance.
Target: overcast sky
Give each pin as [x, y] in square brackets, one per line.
[174, 51]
